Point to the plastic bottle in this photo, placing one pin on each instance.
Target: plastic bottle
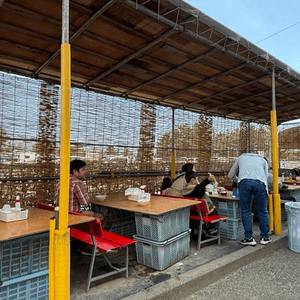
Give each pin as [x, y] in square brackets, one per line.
[18, 204]
[215, 190]
[291, 177]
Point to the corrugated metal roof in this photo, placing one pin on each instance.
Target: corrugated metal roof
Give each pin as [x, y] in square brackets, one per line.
[160, 51]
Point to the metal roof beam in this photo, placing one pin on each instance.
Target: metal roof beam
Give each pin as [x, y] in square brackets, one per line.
[254, 96]
[247, 60]
[172, 71]
[77, 33]
[130, 57]
[227, 91]
[240, 100]
[199, 83]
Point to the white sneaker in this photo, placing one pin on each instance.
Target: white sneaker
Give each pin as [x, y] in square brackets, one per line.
[265, 241]
[248, 242]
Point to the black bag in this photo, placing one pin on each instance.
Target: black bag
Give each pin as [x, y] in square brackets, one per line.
[297, 171]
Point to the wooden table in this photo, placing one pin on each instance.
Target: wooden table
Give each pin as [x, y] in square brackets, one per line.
[24, 248]
[225, 197]
[291, 191]
[37, 222]
[158, 205]
[293, 182]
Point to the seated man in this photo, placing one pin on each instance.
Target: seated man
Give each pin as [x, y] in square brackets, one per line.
[77, 192]
[270, 181]
[195, 190]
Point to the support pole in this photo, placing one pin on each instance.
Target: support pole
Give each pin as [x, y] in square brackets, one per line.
[59, 273]
[276, 196]
[51, 259]
[173, 148]
[248, 138]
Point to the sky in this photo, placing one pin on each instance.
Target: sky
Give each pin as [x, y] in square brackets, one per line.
[256, 20]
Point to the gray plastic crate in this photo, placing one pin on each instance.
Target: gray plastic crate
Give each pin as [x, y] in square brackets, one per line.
[24, 256]
[113, 214]
[161, 255]
[232, 228]
[162, 227]
[126, 229]
[35, 288]
[228, 208]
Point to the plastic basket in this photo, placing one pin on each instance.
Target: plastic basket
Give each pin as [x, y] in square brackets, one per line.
[161, 255]
[162, 227]
[14, 216]
[24, 256]
[126, 229]
[114, 215]
[34, 289]
[232, 228]
[228, 208]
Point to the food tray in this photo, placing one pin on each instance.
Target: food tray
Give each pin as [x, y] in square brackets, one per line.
[14, 216]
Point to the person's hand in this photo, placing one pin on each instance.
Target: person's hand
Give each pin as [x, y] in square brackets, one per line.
[211, 177]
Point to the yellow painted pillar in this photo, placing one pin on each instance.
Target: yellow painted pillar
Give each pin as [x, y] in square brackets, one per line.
[51, 260]
[173, 171]
[276, 196]
[271, 212]
[62, 264]
[59, 248]
[62, 235]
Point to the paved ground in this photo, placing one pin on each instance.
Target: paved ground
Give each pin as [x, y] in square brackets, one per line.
[273, 277]
[181, 280]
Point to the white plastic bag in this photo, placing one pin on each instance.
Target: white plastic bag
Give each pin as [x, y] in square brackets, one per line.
[134, 193]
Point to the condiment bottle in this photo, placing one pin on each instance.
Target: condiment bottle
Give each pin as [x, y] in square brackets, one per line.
[18, 204]
[282, 177]
[291, 177]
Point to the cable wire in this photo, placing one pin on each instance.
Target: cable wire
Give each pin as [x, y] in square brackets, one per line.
[278, 32]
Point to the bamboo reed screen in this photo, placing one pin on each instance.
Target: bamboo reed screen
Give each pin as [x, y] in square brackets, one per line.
[114, 134]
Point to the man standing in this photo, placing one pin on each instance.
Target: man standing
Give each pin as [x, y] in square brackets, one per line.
[77, 192]
[252, 170]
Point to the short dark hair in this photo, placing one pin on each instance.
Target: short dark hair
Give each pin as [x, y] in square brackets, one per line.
[187, 167]
[189, 175]
[76, 164]
[167, 182]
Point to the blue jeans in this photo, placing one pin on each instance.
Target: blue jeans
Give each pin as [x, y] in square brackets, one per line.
[247, 188]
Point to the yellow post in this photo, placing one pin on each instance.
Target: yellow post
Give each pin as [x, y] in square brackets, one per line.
[62, 264]
[173, 171]
[65, 137]
[173, 165]
[276, 196]
[51, 259]
[62, 235]
[271, 212]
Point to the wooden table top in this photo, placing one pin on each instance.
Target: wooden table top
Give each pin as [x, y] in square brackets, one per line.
[37, 222]
[294, 182]
[157, 206]
[225, 197]
[291, 188]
